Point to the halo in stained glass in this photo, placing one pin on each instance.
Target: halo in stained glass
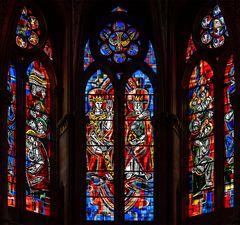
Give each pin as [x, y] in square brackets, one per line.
[28, 30]
[213, 31]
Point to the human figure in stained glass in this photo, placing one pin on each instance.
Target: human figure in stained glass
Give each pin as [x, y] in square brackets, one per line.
[100, 151]
[101, 122]
[203, 165]
[37, 163]
[229, 120]
[138, 137]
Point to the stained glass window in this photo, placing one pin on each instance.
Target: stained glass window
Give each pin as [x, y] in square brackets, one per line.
[229, 88]
[201, 140]
[12, 138]
[28, 30]
[48, 49]
[150, 58]
[191, 48]
[38, 139]
[100, 147]
[139, 149]
[119, 43]
[30, 146]
[213, 29]
[88, 59]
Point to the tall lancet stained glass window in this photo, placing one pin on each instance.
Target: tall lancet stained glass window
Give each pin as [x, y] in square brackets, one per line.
[100, 147]
[201, 140]
[30, 110]
[38, 139]
[12, 138]
[119, 46]
[28, 30]
[210, 34]
[229, 89]
[139, 148]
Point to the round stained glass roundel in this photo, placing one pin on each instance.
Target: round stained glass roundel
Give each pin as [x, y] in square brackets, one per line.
[119, 42]
[213, 29]
[27, 32]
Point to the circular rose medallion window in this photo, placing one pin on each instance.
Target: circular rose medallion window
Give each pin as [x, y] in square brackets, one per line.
[119, 42]
[213, 29]
[27, 32]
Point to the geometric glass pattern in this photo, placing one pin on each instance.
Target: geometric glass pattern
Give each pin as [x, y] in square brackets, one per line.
[201, 140]
[213, 30]
[12, 138]
[191, 48]
[139, 149]
[119, 42]
[88, 59]
[229, 88]
[150, 58]
[99, 101]
[37, 139]
[28, 31]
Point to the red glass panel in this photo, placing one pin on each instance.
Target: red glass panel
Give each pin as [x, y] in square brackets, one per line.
[99, 100]
[191, 48]
[38, 139]
[139, 149]
[201, 140]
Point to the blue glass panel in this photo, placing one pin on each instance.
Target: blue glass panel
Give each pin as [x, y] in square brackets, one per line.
[151, 59]
[119, 58]
[88, 59]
